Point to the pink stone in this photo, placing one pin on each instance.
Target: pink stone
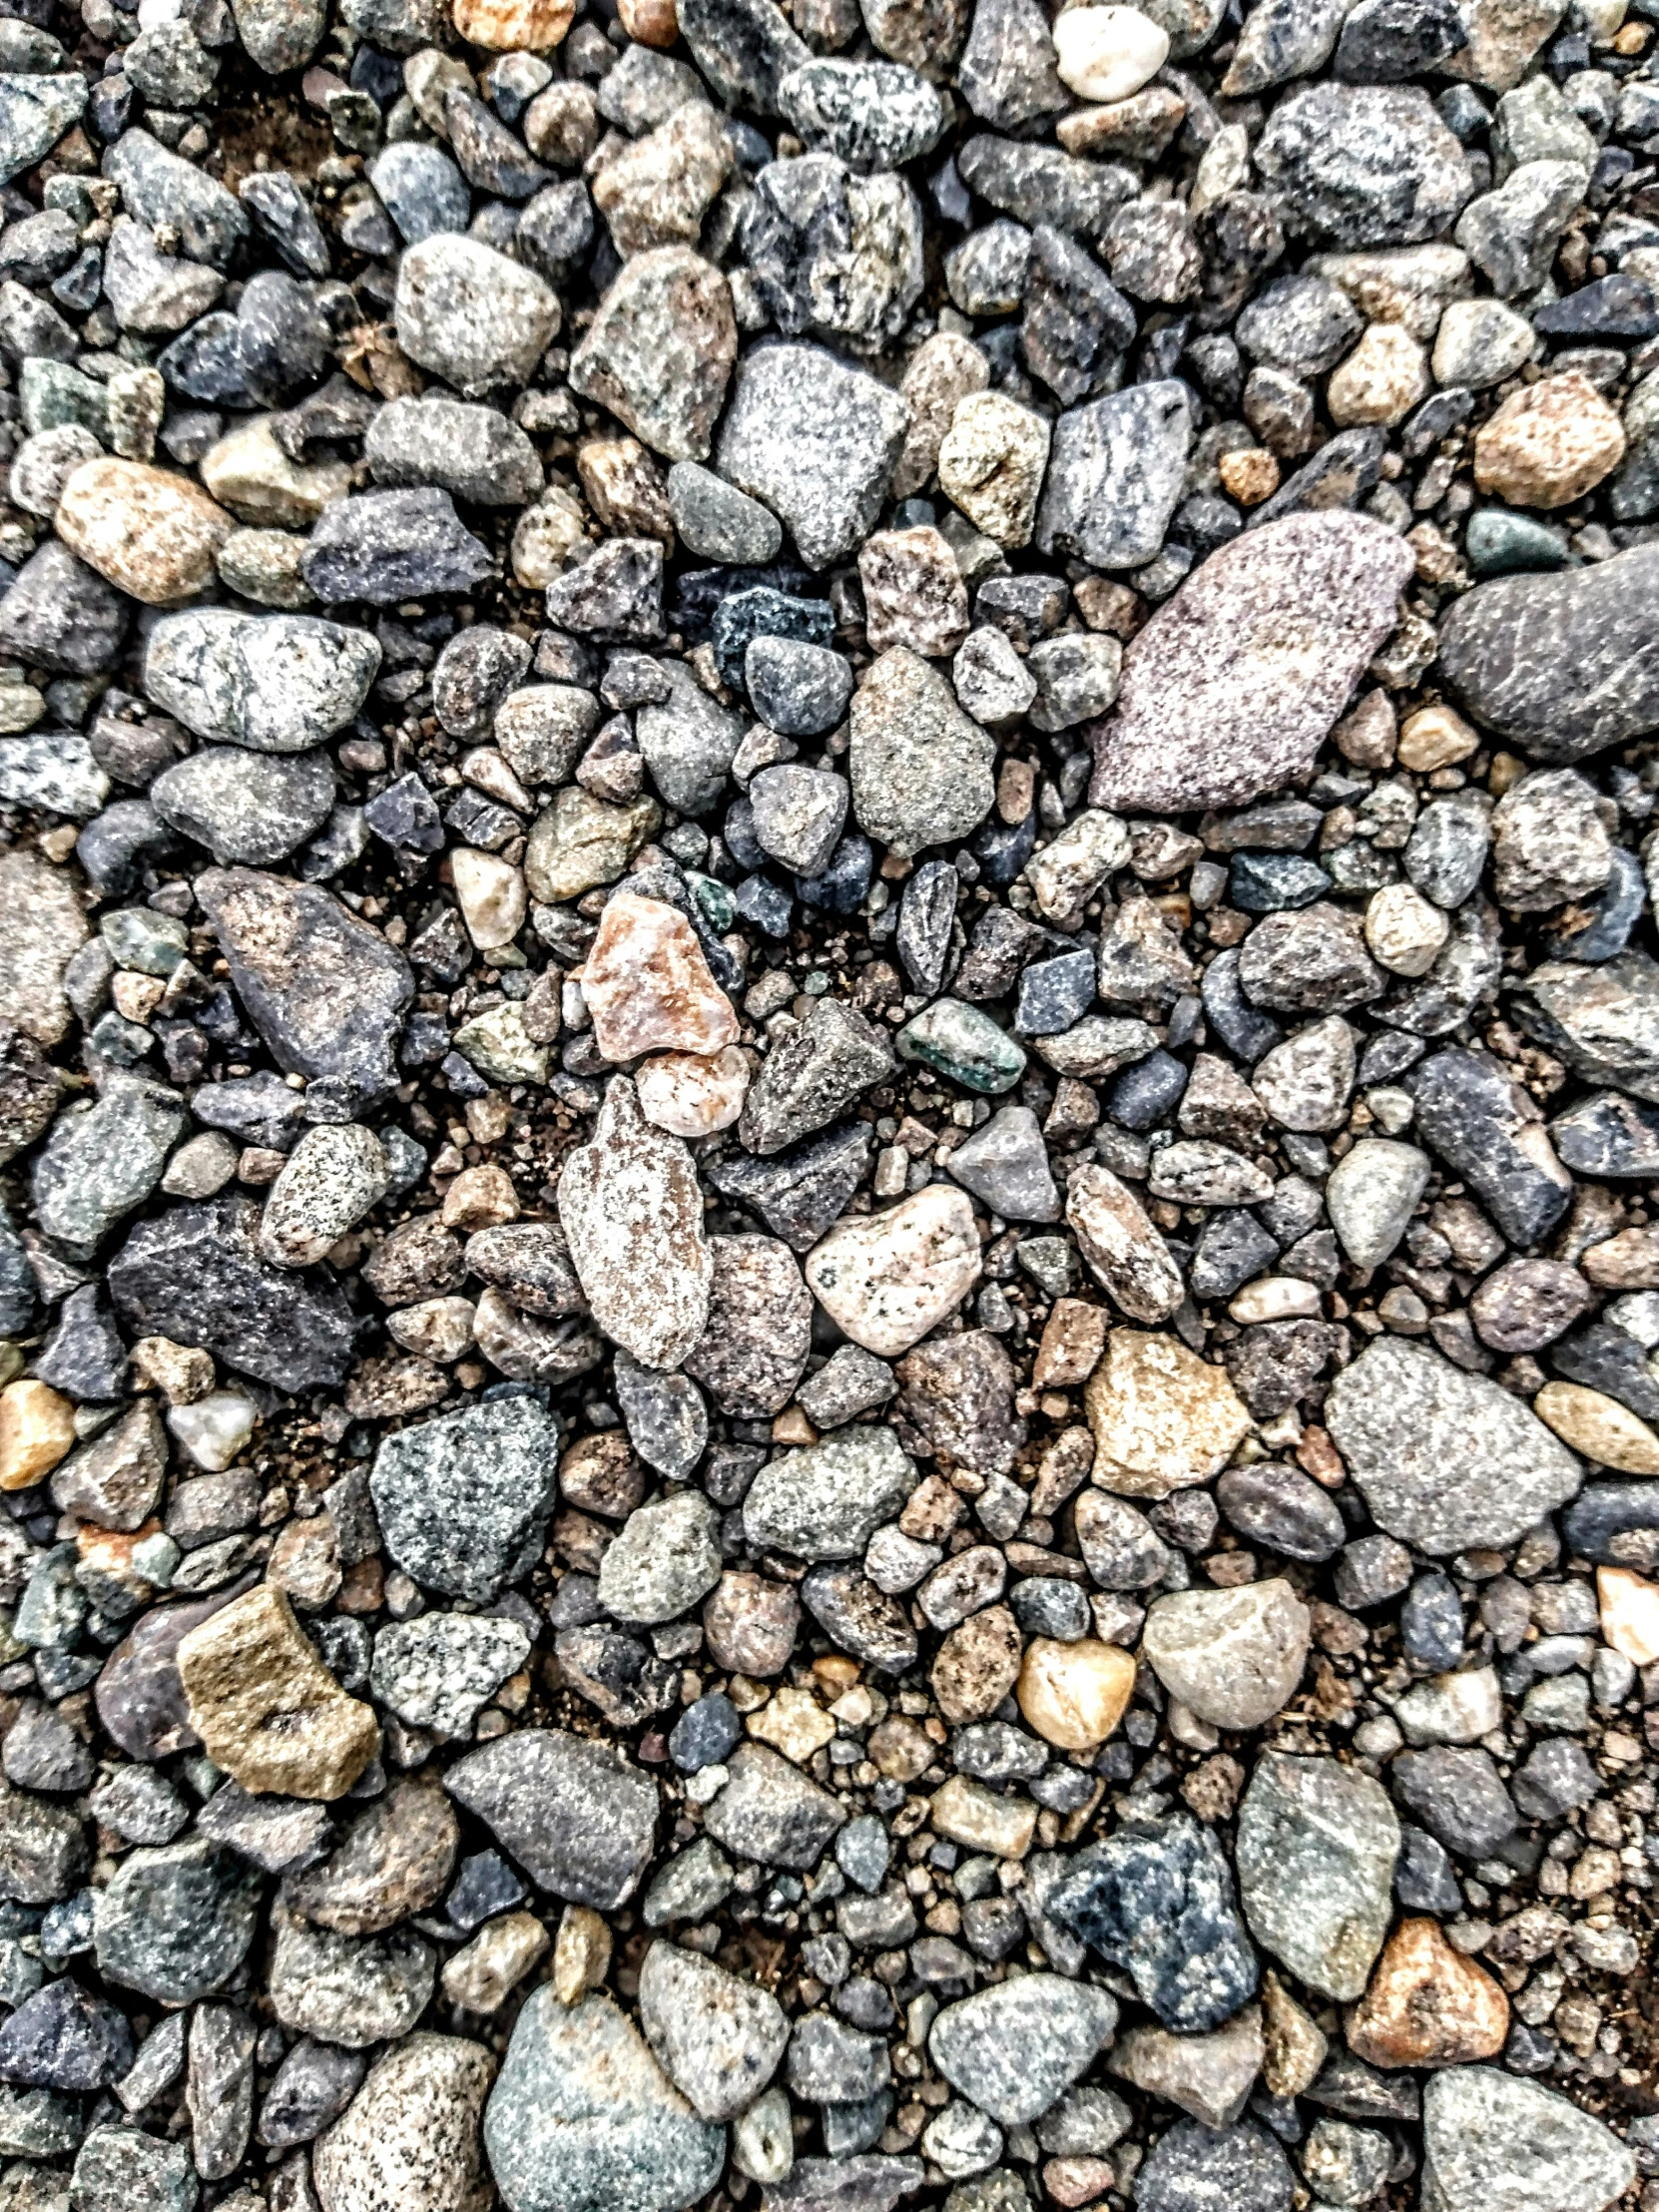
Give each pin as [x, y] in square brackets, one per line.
[692, 1095]
[647, 986]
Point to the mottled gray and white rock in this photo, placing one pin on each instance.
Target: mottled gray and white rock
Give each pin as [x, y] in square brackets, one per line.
[463, 1500]
[103, 1158]
[719, 2038]
[632, 1212]
[1234, 1657]
[1492, 2143]
[274, 683]
[665, 1559]
[472, 315]
[921, 768]
[1230, 687]
[1012, 2050]
[574, 1813]
[438, 1670]
[1364, 165]
[1115, 473]
[826, 1503]
[816, 442]
[1316, 1844]
[410, 2136]
[1445, 1459]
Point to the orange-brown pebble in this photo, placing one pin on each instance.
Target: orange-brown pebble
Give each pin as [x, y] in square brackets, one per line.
[1250, 475]
[1427, 2005]
[149, 533]
[647, 986]
[511, 26]
[650, 22]
[37, 1427]
[1550, 443]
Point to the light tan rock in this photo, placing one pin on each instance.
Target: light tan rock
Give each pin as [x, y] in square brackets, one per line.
[977, 1665]
[1232, 1657]
[1074, 1694]
[1600, 1428]
[913, 592]
[508, 26]
[991, 463]
[411, 2139]
[1629, 1614]
[793, 1722]
[1292, 2047]
[266, 1707]
[885, 1280]
[1208, 2077]
[943, 369]
[492, 897]
[1403, 929]
[1125, 1254]
[1249, 475]
[1548, 443]
[1427, 2005]
[691, 1094]
[964, 1812]
[1382, 380]
[247, 472]
[37, 1429]
[1435, 737]
[581, 1953]
[42, 927]
[1162, 1418]
[149, 533]
[580, 844]
[647, 986]
[483, 1974]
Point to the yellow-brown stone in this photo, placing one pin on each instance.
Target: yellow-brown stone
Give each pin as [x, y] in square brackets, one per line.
[1427, 2005]
[1074, 1694]
[1162, 1417]
[1550, 443]
[37, 1429]
[266, 1707]
[512, 26]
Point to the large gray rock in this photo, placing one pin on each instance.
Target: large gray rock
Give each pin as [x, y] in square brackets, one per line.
[463, 1500]
[1603, 1019]
[827, 1502]
[583, 2118]
[175, 1924]
[274, 683]
[1364, 165]
[921, 768]
[1115, 473]
[1492, 2143]
[104, 1158]
[816, 442]
[1013, 2049]
[472, 315]
[718, 2037]
[34, 112]
[1445, 1459]
[575, 1815]
[1560, 666]
[1316, 1844]
[1231, 689]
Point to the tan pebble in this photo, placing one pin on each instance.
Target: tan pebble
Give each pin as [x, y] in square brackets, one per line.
[976, 1666]
[914, 593]
[1403, 929]
[1249, 475]
[1073, 1338]
[991, 463]
[249, 472]
[483, 1974]
[1294, 2048]
[579, 843]
[1427, 2005]
[1075, 1694]
[966, 1812]
[508, 26]
[581, 1953]
[1598, 1427]
[650, 22]
[266, 1707]
[492, 897]
[1234, 1656]
[1629, 1614]
[409, 2138]
[793, 1722]
[37, 1427]
[151, 534]
[1382, 380]
[1627, 1262]
[888, 1279]
[1125, 1254]
[1435, 737]
[943, 371]
[182, 1373]
[648, 985]
[1548, 443]
[1162, 1418]
[691, 1095]
[480, 1197]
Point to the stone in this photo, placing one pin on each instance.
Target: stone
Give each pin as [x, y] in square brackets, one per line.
[438, 1671]
[1074, 1694]
[991, 462]
[463, 1500]
[175, 1923]
[1115, 475]
[663, 1560]
[1193, 2165]
[151, 534]
[633, 1216]
[754, 1350]
[1013, 2049]
[647, 984]
[920, 768]
[1494, 2141]
[470, 315]
[1234, 1657]
[824, 1502]
[1364, 165]
[659, 354]
[1124, 1252]
[333, 1177]
[345, 1991]
[411, 2134]
[1445, 1459]
[273, 684]
[719, 2038]
[1427, 2005]
[816, 442]
[1372, 1194]
[1156, 1901]
[473, 453]
[1597, 1426]
[1548, 443]
[1293, 611]
[63, 2038]
[394, 1860]
[266, 1708]
[770, 1812]
[1161, 1417]
[381, 546]
[1111, 56]
[1207, 2075]
[44, 927]
[888, 1279]
[581, 843]
[1316, 1845]
[574, 1813]
[1006, 1165]
[870, 115]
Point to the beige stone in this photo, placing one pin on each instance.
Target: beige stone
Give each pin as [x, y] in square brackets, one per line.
[1162, 1418]
[1403, 929]
[1074, 1694]
[1548, 443]
[793, 1722]
[580, 844]
[964, 1812]
[1073, 1338]
[151, 534]
[991, 463]
[1382, 380]
[507, 26]
[1249, 475]
[1427, 2005]
[182, 1373]
[1292, 2047]
[411, 2138]
[648, 985]
[887, 1279]
[581, 1954]
[1108, 53]
[484, 1973]
[249, 472]
[943, 369]
[650, 22]
[1232, 1657]
[492, 897]
[266, 1707]
[1599, 1427]
[977, 1665]
[1629, 1614]
[913, 592]
[1125, 1254]
[691, 1094]
[480, 1197]
[37, 1429]
[42, 927]
[1435, 737]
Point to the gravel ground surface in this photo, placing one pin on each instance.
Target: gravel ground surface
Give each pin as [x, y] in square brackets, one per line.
[830, 1106]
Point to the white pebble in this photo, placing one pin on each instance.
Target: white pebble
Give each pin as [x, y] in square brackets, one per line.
[1108, 53]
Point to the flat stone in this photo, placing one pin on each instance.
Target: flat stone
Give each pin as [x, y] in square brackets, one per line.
[1316, 1844]
[633, 1215]
[719, 2038]
[826, 1503]
[266, 1708]
[816, 442]
[151, 534]
[755, 1349]
[175, 1924]
[1290, 614]
[1444, 1459]
[575, 1814]
[1492, 2143]
[647, 986]
[888, 1279]
[1208, 2077]
[1124, 1252]
[1194, 2166]
[344, 1989]
[660, 350]
[770, 1811]
[1115, 475]
[43, 927]
[472, 315]
[274, 683]
[411, 2135]
[1364, 165]
[438, 1670]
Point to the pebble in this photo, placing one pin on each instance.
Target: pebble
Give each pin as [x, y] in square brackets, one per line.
[647, 985]
[470, 315]
[889, 1279]
[719, 2039]
[1318, 1843]
[1011, 2050]
[827, 1502]
[1427, 2005]
[149, 533]
[410, 2134]
[816, 442]
[1234, 1657]
[1074, 1694]
[920, 768]
[463, 1499]
[266, 1708]
[1548, 443]
[1491, 2139]
[1161, 1417]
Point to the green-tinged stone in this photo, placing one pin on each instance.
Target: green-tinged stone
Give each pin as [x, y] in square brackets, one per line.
[498, 1048]
[51, 393]
[717, 907]
[1499, 541]
[137, 937]
[964, 1044]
